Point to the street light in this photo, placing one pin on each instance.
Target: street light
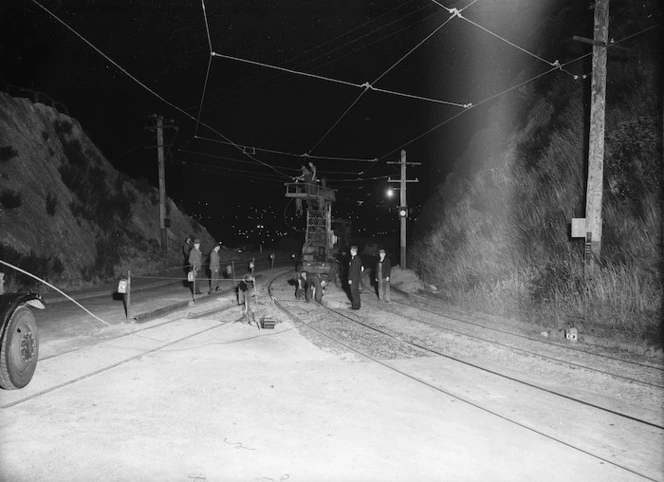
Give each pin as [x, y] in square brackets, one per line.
[389, 192]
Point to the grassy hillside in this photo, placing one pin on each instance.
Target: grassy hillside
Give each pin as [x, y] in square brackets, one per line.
[496, 236]
[66, 215]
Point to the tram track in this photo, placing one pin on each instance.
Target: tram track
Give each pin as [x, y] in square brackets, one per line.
[137, 333]
[442, 310]
[656, 429]
[654, 375]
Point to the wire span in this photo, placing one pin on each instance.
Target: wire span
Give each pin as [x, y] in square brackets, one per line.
[291, 154]
[163, 99]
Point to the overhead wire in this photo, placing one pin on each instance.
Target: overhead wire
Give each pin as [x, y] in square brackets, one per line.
[200, 107]
[226, 158]
[532, 79]
[207, 26]
[367, 86]
[263, 80]
[457, 13]
[291, 154]
[143, 85]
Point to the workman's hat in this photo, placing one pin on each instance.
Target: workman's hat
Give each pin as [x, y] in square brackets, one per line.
[197, 241]
[381, 250]
[353, 247]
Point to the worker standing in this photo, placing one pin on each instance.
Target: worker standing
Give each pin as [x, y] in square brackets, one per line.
[214, 269]
[354, 278]
[383, 267]
[195, 264]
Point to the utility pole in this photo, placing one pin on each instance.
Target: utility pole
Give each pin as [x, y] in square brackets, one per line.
[159, 129]
[162, 182]
[596, 137]
[403, 207]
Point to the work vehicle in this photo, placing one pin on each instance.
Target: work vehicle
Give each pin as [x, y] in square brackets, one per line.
[317, 257]
[19, 350]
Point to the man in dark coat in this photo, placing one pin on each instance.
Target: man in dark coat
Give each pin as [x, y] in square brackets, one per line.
[195, 262]
[354, 278]
[214, 268]
[383, 267]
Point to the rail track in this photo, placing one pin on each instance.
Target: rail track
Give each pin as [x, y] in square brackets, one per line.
[357, 332]
[611, 366]
[433, 306]
[19, 397]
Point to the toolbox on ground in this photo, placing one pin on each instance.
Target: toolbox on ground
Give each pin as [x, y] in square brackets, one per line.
[268, 323]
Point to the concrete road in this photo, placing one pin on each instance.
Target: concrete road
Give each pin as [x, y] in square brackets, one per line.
[210, 399]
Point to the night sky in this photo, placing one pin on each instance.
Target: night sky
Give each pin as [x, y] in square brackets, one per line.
[165, 45]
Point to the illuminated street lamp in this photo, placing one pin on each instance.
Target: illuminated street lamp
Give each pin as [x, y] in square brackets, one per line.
[389, 192]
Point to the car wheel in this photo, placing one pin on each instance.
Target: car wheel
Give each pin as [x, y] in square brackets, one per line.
[19, 350]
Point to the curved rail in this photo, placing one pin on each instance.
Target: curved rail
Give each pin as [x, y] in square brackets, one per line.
[296, 318]
[520, 335]
[512, 347]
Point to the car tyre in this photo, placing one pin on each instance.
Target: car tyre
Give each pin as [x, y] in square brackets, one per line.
[19, 350]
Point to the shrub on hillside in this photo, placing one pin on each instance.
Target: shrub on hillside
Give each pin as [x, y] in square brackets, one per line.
[51, 204]
[142, 185]
[47, 268]
[7, 153]
[63, 127]
[96, 200]
[10, 199]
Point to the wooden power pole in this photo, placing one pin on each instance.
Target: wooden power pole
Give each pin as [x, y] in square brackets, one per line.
[403, 206]
[159, 127]
[593, 231]
[162, 182]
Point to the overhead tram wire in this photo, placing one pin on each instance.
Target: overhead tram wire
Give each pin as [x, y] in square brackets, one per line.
[235, 173]
[484, 101]
[457, 13]
[200, 107]
[367, 86]
[230, 159]
[292, 154]
[532, 79]
[158, 96]
[263, 80]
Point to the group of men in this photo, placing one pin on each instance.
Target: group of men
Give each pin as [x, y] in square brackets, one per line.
[194, 259]
[381, 277]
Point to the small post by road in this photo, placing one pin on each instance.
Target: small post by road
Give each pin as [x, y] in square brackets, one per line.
[128, 295]
[272, 261]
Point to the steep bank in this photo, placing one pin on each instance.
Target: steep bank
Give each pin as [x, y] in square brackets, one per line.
[66, 214]
[496, 236]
